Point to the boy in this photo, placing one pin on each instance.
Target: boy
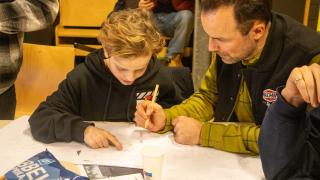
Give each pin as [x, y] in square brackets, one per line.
[108, 85]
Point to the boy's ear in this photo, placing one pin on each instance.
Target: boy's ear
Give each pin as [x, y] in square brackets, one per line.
[106, 53]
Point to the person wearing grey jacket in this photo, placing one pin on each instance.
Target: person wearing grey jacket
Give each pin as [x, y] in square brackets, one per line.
[17, 17]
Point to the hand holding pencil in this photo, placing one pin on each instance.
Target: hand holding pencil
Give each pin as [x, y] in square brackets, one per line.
[149, 114]
[154, 97]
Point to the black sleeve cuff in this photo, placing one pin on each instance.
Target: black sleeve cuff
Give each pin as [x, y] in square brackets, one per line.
[78, 131]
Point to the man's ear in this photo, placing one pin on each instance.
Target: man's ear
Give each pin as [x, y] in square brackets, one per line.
[258, 30]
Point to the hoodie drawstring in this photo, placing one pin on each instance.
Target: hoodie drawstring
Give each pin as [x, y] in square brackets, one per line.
[106, 107]
[130, 99]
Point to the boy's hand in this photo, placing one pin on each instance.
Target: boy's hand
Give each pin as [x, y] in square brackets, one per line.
[99, 138]
[152, 112]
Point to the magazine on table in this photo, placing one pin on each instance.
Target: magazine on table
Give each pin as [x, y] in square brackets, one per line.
[105, 172]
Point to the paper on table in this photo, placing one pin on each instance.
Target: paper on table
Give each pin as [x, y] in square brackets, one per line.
[132, 138]
[181, 161]
[126, 177]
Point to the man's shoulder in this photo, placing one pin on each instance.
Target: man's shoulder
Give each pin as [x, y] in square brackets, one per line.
[296, 33]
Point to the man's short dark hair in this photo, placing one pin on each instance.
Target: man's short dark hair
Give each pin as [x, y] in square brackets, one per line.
[246, 11]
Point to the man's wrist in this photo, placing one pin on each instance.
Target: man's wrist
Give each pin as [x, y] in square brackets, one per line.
[199, 138]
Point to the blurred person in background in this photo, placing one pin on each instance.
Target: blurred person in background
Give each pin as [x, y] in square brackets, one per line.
[174, 18]
[17, 17]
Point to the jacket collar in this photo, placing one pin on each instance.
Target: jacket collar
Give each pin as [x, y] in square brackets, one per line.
[273, 46]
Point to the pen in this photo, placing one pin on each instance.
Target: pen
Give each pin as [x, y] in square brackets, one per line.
[154, 96]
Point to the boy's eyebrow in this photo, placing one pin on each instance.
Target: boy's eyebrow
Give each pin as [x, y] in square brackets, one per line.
[124, 68]
[121, 68]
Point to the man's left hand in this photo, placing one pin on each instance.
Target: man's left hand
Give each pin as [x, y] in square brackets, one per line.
[303, 86]
[187, 130]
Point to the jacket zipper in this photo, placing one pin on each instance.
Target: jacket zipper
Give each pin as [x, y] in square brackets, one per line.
[236, 100]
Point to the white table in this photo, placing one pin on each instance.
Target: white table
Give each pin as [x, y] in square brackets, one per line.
[4, 122]
[181, 161]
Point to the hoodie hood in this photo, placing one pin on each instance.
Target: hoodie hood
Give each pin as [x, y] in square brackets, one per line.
[115, 90]
[95, 63]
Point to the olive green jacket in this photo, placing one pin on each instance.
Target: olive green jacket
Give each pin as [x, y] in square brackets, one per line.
[238, 137]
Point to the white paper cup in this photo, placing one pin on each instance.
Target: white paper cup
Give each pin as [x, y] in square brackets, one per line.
[152, 158]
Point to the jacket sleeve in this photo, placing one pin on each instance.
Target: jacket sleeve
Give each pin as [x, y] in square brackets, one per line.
[290, 141]
[200, 104]
[232, 137]
[57, 119]
[27, 15]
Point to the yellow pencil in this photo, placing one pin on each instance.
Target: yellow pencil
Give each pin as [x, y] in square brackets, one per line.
[154, 96]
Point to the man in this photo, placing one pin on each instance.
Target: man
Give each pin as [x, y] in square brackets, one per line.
[108, 85]
[174, 18]
[17, 17]
[254, 51]
[290, 135]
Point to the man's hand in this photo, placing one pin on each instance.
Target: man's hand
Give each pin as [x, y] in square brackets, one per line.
[187, 130]
[303, 86]
[147, 4]
[99, 138]
[152, 112]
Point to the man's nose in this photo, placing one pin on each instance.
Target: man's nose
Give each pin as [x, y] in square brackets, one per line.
[213, 46]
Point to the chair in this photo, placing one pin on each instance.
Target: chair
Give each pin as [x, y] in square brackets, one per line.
[311, 14]
[318, 26]
[306, 13]
[80, 21]
[43, 68]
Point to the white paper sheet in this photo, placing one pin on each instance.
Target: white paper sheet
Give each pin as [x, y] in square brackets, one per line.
[181, 161]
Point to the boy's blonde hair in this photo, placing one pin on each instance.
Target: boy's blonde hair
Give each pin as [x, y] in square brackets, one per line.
[130, 33]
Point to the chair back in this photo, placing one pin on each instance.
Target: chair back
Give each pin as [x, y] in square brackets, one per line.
[43, 68]
[80, 21]
[84, 13]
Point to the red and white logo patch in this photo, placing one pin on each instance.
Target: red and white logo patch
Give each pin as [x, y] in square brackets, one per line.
[269, 96]
[147, 95]
[141, 96]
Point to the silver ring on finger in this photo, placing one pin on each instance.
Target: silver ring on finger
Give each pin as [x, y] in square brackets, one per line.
[296, 80]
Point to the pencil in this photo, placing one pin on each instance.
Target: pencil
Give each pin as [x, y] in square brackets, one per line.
[154, 97]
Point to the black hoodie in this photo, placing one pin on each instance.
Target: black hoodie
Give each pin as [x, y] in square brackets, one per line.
[92, 93]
